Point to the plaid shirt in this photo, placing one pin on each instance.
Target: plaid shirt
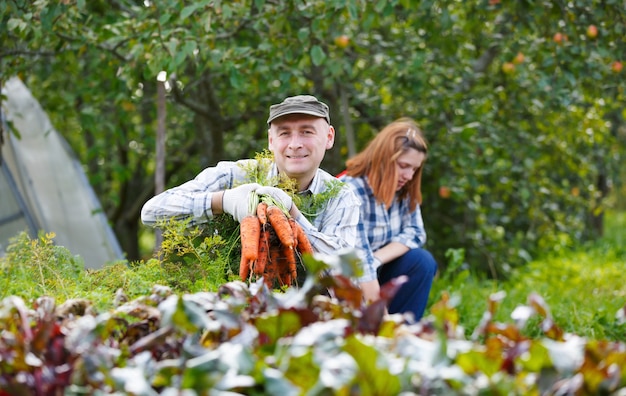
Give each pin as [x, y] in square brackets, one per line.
[333, 229]
[379, 226]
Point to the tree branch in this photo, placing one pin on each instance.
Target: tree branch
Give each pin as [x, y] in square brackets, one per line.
[192, 105]
[99, 46]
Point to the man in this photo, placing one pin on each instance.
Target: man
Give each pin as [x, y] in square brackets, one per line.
[299, 135]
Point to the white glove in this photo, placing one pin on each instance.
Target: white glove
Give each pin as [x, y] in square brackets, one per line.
[236, 201]
[278, 195]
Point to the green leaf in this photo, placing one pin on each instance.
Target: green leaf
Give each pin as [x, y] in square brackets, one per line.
[303, 369]
[279, 324]
[303, 34]
[187, 11]
[184, 315]
[172, 46]
[317, 55]
[189, 47]
[18, 24]
[235, 78]
[177, 60]
[475, 361]
[536, 359]
[14, 131]
[374, 376]
[164, 18]
[353, 10]
[227, 11]
[48, 15]
[277, 384]
[380, 5]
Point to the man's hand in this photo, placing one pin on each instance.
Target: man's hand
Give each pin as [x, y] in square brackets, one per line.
[236, 201]
[277, 195]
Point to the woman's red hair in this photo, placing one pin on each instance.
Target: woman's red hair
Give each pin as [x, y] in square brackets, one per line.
[378, 162]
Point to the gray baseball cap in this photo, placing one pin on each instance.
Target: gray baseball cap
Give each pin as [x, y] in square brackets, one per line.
[301, 104]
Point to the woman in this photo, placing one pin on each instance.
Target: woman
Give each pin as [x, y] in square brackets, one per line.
[387, 177]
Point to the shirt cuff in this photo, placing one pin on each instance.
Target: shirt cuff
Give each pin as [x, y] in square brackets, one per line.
[377, 263]
[369, 270]
[202, 206]
[370, 276]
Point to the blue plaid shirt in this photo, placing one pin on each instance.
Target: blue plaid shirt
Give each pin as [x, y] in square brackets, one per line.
[332, 229]
[379, 226]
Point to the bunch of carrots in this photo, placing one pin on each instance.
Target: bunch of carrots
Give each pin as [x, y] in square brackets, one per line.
[272, 243]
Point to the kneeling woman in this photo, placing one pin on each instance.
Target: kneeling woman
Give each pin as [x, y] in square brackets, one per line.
[386, 176]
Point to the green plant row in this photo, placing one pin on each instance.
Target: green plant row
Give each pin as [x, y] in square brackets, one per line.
[190, 261]
[583, 288]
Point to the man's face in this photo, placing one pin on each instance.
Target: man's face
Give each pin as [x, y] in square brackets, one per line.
[299, 142]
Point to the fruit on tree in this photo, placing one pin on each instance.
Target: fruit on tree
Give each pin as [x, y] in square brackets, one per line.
[342, 41]
[559, 38]
[592, 31]
[617, 66]
[508, 67]
[444, 192]
[519, 58]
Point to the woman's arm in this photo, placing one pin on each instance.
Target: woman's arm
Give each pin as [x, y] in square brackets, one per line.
[410, 235]
[390, 252]
[411, 232]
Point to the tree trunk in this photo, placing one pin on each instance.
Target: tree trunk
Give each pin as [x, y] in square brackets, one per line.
[159, 174]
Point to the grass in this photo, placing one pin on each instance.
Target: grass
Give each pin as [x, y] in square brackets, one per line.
[615, 230]
[583, 289]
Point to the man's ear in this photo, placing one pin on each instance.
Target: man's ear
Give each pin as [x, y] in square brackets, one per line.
[331, 138]
[269, 140]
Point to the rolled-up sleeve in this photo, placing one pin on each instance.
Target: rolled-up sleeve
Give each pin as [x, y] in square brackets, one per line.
[191, 200]
[413, 234]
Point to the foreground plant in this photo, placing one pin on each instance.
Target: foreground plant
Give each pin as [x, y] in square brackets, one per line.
[317, 339]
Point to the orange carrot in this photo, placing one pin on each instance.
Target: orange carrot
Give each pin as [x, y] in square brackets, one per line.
[290, 264]
[250, 231]
[304, 244]
[261, 212]
[244, 268]
[280, 223]
[272, 272]
[263, 256]
[294, 230]
[285, 279]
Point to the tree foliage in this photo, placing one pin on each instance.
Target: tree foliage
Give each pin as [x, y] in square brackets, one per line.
[526, 127]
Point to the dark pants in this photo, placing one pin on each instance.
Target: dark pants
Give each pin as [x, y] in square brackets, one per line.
[420, 266]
